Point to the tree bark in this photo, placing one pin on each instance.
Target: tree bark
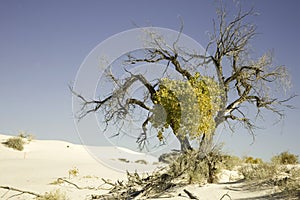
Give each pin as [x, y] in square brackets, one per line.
[184, 143]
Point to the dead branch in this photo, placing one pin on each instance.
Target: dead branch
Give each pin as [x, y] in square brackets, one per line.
[21, 191]
[226, 195]
[107, 182]
[78, 187]
[64, 180]
[191, 196]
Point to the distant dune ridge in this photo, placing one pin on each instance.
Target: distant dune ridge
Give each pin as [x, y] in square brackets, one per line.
[42, 162]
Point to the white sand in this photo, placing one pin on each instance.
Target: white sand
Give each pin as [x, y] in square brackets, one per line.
[42, 162]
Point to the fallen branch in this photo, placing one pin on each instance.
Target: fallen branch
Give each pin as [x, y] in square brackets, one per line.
[21, 191]
[190, 194]
[79, 188]
[226, 195]
[64, 180]
[107, 182]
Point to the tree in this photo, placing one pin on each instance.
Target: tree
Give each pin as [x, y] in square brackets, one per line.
[239, 81]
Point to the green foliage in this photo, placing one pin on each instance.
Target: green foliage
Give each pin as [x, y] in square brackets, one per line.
[285, 158]
[190, 106]
[15, 143]
[251, 160]
[53, 195]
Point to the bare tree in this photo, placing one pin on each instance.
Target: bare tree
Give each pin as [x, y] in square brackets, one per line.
[247, 82]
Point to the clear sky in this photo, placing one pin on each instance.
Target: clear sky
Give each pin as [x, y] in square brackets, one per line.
[43, 43]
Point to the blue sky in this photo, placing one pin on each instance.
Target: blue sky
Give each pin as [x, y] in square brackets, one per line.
[43, 43]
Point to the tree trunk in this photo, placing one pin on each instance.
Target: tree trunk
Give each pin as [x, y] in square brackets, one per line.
[206, 144]
[211, 171]
[184, 143]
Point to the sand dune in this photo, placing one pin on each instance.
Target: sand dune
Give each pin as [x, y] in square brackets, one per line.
[43, 162]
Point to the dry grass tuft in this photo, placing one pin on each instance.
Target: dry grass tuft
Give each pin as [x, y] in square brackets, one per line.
[54, 195]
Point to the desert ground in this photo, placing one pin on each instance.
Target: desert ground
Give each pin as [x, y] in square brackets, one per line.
[38, 167]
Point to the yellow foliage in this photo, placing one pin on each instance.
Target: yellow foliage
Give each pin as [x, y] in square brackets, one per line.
[188, 107]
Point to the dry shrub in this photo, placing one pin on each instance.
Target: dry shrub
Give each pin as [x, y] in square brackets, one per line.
[15, 143]
[53, 195]
[251, 160]
[199, 167]
[285, 158]
[73, 172]
[191, 167]
[286, 179]
[291, 184]
[229, 162]
[18, 141]
[259, 171]
[23, 134]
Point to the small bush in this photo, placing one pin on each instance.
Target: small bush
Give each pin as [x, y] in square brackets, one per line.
[251, 160]
[73, 172]
[193, 169]
[124, 160]
[259, 171]
[25, 135]
[285, 158]
[292, 185]
[54, 195]
[230, 162]
[197, 167]
[15, 143]
[57, 182]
